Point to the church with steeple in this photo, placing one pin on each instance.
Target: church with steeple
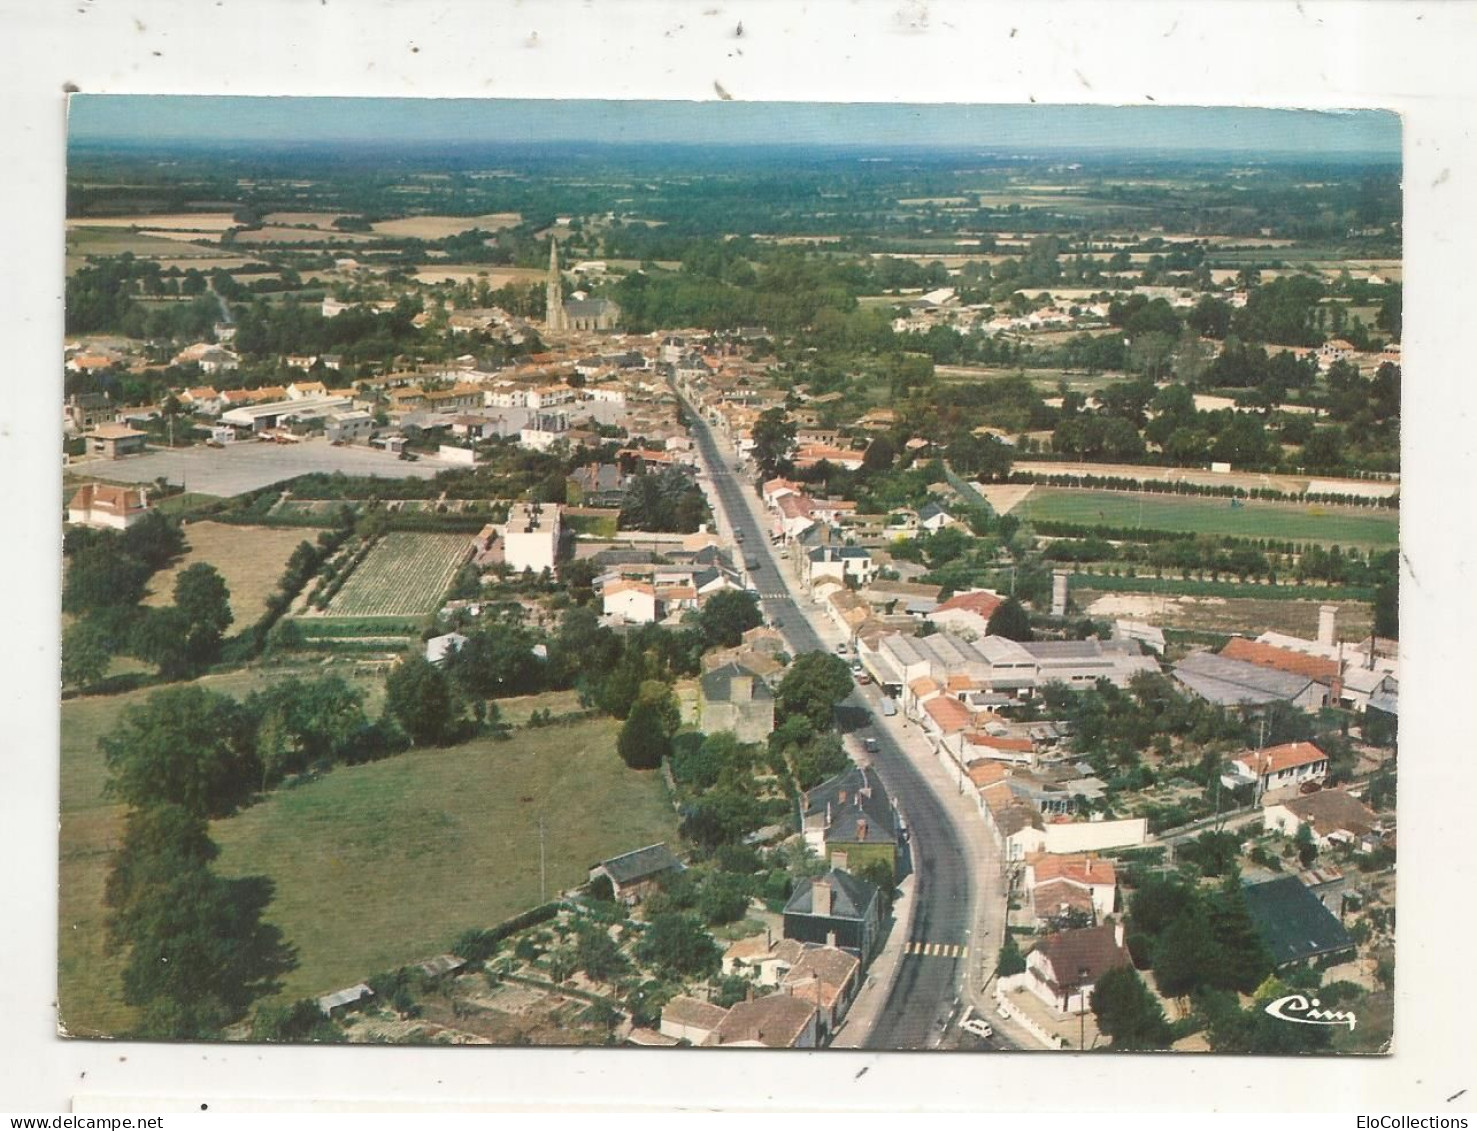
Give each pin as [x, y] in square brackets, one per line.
[579, 313]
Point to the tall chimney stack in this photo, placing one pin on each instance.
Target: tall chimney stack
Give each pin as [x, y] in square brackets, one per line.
[820, 896]
[1059, 593]
[1328, 625]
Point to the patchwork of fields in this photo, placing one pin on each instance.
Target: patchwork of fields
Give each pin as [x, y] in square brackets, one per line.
[404, 575]
[1295, 522]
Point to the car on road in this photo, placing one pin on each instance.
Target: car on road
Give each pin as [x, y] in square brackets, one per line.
[870, 744]
[841, 648]
[863, 678]
[738, 536]
[977, 1026]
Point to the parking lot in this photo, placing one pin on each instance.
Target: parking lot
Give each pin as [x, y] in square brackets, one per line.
[249, 464]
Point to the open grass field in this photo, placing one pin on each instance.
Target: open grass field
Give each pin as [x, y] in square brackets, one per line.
[439, 227]
[91, 824]
[1343, 526]
[1291, 484]
[495, 276]
[377, 865]
[301, 235]
[249, 558]
[82, 242]
[178, 221]
[404, 575]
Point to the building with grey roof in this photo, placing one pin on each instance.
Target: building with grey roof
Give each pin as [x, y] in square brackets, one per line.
[850, 820]
[633, 875]
[837, 909]
[733, 698]
[1236, 683]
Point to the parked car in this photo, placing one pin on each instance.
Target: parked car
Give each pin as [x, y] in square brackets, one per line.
[863, 678]
[870, 744]
[979, 1027]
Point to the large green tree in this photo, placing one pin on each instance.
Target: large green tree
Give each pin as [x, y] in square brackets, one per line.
[727, 616]
[185, 746]
[85, 653]
[201, 594]
[675, 943]
[419, 695]
[643, 741]
[774, 438]
[814, 684]
[1128, 1013]
[1011, 621]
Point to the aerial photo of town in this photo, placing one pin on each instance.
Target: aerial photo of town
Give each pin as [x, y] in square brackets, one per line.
[900, 578]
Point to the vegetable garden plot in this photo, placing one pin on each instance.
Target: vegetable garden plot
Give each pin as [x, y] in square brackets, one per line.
[404, 575]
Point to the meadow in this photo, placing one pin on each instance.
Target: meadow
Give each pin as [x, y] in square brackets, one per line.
[250, 560]
[1295, 522]
[382, 864]
[404, 575]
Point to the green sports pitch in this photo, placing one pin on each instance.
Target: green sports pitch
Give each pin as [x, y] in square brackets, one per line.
[1250, 518]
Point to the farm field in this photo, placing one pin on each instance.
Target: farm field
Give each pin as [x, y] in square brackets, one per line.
[495, 276]
[250, 560]
[82, 242]
[1239, 615]
[403, 575]
[1250, 480]
[381, 864]
[439, 227]
[89, 1000]
[301, 235]
[177, 221]
[1044, 380]
[1294, 522]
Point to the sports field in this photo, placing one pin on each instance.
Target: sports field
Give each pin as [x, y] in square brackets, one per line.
[1296, 522]
[404, 575]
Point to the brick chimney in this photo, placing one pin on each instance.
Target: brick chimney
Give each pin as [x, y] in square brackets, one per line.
[841, 797]
[820, 896]
[1118, 933]
[861, 829]
[831, 939]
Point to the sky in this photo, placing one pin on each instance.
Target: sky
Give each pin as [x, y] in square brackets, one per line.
[95, 118]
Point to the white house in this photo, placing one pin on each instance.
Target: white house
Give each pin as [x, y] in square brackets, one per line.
[1063, 970]
[1278, 767]
[631, 601]
[531, 537]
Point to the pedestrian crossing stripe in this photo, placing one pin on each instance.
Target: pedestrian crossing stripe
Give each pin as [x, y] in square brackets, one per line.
[935, 950]
[773, 596]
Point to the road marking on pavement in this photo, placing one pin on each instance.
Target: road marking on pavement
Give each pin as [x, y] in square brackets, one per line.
[773, 596]
[935, 950]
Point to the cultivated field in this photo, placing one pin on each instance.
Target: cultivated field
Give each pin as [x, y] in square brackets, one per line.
[439, 227]
[1241, 615]
[89, 996]
[404, 575]
[249, 558]
[82, 242]
[177, 221]
[495, 276]
[380, 864]
[1344, 526]
[311, 219]
[301, 235]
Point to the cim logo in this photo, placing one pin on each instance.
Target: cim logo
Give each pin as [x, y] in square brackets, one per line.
[1296, 1007]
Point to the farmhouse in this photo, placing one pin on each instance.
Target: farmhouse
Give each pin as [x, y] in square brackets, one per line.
[692, 1020]
[732, 698]
[634, 875]
[103, 505]
[778, 1021]
[632, 602]
[1079, 881]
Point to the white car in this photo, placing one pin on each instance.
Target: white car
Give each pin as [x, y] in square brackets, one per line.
[978, 1026]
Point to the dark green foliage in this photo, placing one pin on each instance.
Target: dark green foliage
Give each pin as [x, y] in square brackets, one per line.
[1214, 853]
[184, 746]
[733, 989]
[598, 956]
[643, 741]
[727, 616]
[476, 945]
[301, 1021]
[497, 662]
[774, 437]
[201, 594]
[86, 653]
[812, 687]
[879, 874]
[102, 576]
[724, 899]
[1011, 621]
[418, 694]
[676, 943]
[1128, 1013]
[1011, 960]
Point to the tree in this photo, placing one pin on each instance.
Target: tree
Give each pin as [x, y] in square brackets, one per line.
[419, 695]
[1307, 848]
[598, 955]
[724, 899]
[162, 637]
[1011, 960]
[185, 746]
[813, 685]
[296, 1023]
[1011, 621]
[1387, 609]
[643, 741]
[727, 616]
[100, 575]
[302, 722]
[201, 594]
[774, 438]
[879, 874]
[497, 662]
[678, 944]
[1128, 1013]
[879, 455]
[85, 653]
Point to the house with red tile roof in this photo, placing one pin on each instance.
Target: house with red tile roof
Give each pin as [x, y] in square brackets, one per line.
[107, 506]
[1279, 767]
[967, 614]
[778, 1021]
[1057, 879]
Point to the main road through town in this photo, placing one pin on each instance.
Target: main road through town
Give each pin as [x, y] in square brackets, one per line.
[925, 996]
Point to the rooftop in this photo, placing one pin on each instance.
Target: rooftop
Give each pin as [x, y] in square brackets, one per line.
[652, 860]
[1293, 923]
